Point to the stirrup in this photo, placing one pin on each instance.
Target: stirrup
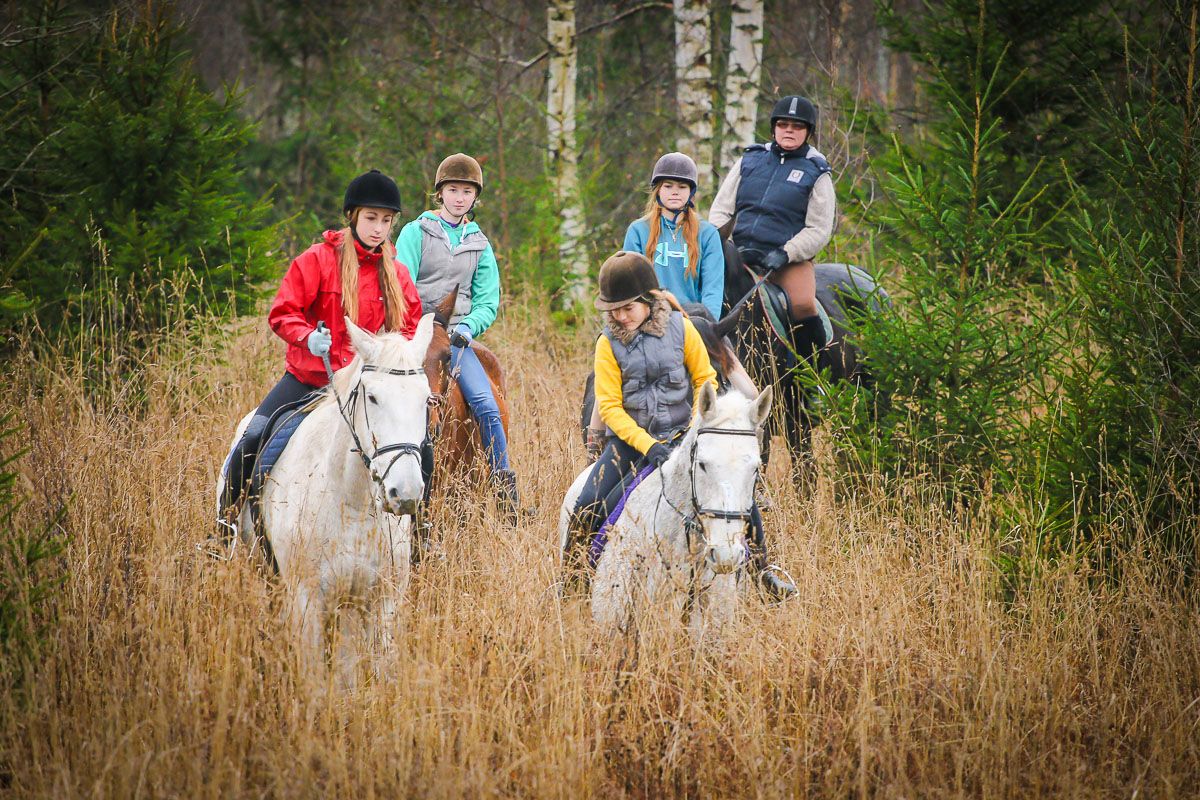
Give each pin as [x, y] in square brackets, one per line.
[217, 549]
[775, 568]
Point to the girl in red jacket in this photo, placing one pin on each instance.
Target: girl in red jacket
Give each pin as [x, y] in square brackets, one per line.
[351, 273]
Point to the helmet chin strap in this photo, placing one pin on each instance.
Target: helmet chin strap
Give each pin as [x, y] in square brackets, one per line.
[365, 246]
[676, 212]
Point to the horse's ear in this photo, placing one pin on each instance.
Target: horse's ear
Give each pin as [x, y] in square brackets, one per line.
[761, 407]
[726, 230]
[726, 323]
[364, 343]
[445, 306]
[708, 399]
[424, 333]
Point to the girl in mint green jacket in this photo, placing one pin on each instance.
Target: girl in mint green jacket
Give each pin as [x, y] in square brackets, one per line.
[445, 248]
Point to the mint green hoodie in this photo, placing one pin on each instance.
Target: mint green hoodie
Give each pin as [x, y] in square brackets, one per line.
[485, 285]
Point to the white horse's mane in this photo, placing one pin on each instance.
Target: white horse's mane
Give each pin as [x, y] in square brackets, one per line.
[394, 352]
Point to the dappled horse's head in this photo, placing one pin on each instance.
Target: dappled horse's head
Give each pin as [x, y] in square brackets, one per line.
[722, 448]
[386, 396]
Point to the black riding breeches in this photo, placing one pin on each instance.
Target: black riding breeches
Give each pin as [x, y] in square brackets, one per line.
[611, 475]
[290, 389]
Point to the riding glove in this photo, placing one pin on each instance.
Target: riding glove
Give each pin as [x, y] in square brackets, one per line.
[658, 454]
[775, 259]
[461, 336]
[319, 342]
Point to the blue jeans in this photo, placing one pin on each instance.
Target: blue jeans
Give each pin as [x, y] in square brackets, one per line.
[477, 390]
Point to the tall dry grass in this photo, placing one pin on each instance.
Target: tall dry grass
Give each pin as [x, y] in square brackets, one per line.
[903, 669]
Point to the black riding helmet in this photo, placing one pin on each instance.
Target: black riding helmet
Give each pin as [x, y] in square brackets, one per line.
[373, 190]
[798, 108]
[625, 276]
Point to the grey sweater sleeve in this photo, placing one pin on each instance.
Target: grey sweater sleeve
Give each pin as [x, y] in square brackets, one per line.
[818, 222]
[725, 203]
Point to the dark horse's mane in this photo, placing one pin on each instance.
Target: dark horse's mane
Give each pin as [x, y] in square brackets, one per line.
[719, 351]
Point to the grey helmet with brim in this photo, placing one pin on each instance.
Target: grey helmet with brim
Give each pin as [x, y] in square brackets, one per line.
[675, 166]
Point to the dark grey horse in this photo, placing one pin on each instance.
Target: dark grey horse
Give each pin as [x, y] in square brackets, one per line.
[767, 352]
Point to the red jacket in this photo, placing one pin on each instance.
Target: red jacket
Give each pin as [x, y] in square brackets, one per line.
[312, 292]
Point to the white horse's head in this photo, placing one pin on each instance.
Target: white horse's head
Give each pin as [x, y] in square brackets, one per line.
[723, 451]
[389, 394]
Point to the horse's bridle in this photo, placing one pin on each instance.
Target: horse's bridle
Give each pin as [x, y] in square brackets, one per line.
[692, 520]
[346, 410]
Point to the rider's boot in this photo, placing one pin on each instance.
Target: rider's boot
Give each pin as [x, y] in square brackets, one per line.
[808, 334]
[576, 574]
[505, 481]
[768, 576]
[422, 526]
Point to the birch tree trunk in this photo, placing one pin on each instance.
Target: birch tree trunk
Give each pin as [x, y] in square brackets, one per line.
[563, 155]
[741, 79]
[693, 82]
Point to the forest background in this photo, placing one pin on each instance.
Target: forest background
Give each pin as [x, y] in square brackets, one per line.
[1022, 178]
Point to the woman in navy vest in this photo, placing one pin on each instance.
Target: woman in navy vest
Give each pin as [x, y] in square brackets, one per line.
[782, 195]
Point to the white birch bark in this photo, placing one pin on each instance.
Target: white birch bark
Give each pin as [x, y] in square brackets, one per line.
[741, 79]
[693, 83]
[563, 155]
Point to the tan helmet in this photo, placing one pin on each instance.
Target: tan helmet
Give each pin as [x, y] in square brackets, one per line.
[459, 167]
[625, 276]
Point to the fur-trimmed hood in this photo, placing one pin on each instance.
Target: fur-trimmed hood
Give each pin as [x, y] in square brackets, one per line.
[655, 324]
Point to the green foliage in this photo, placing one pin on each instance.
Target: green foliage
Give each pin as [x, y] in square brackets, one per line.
[1040, 53]
[122, 192]
[28, 580]
[1128, 408]
[952, 364]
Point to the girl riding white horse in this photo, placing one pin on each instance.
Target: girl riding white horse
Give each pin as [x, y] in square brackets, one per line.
[336, 507]
[681, 535]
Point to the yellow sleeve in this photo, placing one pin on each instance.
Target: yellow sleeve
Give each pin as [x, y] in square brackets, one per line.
[610, 400]
[695, 356]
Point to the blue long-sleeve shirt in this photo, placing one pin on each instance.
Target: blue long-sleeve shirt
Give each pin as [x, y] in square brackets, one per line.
[707, 287]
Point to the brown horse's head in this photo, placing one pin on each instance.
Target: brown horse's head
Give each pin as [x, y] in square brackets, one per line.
[437, 357]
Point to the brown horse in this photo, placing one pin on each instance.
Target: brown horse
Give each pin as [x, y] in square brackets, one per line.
[458, 447]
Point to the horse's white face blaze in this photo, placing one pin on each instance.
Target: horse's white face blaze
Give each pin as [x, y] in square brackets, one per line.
[725, 471]
[391, 410]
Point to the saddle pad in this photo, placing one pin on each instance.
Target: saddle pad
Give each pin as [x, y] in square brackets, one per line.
[276, 441]
[600, 538]
[780, 306]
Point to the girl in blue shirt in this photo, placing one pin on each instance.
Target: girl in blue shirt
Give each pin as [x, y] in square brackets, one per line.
[685, 249]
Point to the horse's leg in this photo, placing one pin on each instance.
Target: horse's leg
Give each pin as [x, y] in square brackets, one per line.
[306, 612]
[714, 607]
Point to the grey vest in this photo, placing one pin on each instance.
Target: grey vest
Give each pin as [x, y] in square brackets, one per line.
[656, 389]
[441, 269]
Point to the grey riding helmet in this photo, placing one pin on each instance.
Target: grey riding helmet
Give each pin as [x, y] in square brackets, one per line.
[676, 167]
[798, 108]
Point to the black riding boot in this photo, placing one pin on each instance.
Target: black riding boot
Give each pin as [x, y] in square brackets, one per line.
[422, 527]
[506, 493]
[769, 578]
[808, 334]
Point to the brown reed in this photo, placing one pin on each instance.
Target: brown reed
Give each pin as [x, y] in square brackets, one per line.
[904, 669]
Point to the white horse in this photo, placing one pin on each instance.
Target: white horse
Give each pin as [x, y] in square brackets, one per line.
[682, 534]
[336, 508]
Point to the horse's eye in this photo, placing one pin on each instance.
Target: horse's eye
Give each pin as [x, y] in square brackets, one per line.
[371, 398]
[703, 466]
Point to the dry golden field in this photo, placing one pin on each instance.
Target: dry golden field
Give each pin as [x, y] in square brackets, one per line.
[902, 670]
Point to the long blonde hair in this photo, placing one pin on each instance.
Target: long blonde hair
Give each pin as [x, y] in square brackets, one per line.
[688, 222]
[393, 297]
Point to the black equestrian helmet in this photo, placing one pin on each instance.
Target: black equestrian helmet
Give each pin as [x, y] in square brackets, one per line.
[372, 190]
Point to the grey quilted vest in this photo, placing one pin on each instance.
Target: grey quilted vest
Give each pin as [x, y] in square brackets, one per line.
[441, 269]
[656, 389]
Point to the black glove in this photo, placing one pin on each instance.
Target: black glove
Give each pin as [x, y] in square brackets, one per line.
[658, 454]
[775, 259]
[460, 336]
